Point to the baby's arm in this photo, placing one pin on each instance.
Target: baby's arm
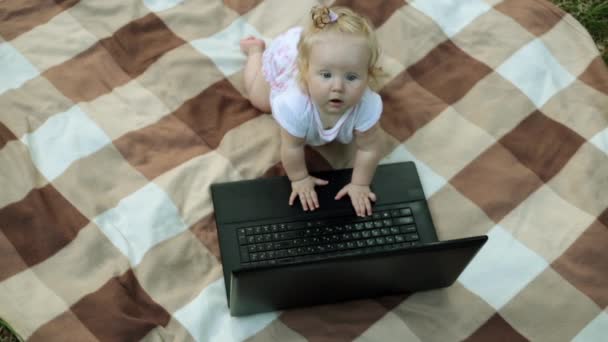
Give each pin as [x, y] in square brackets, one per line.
[368, 155]
[292, 156]
[366, 159]
[302, 184]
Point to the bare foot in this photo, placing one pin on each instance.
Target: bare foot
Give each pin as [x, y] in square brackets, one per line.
[251, 45]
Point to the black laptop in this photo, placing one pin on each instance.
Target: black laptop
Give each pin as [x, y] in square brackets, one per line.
[275, 256]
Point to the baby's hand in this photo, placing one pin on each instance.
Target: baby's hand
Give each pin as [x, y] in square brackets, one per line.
[305, 189]
[360, 196]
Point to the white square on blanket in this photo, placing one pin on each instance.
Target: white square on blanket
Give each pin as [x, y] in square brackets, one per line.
[223, 47]
[600, 140]
[452, 15]
[594, 331]
[161, 5]
[140, 221]
[535, 71]
[14, 68]
[502, 268]
[63, 139]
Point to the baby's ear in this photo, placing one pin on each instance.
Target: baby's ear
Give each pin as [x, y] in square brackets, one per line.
[376, 73]
[303, 83]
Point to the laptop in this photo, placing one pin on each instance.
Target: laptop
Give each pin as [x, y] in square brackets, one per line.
[277, 256]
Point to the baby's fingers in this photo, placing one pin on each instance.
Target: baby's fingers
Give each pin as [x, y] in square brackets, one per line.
[304, 199]
[368, 206]
[341, 193]
[357, 206]
[292, 197]
[315, 199]
[372, 196]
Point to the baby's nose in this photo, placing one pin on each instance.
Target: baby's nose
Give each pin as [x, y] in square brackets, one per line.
[338, 83]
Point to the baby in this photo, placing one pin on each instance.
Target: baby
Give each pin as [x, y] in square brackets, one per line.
[315, 80]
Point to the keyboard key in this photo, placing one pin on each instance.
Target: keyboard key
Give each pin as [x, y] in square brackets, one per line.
[411, 237]
[296, 225]
[377, 224]
[282, 244]
[386, 214]
[288, 235]
[405, 211]
[407, 229]
[403, 220]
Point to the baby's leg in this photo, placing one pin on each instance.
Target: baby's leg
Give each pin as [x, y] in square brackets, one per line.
[258, 90]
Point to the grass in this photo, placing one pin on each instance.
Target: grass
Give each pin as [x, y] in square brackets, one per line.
[593, 15]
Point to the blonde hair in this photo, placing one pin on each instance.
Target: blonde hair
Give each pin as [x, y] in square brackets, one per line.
[347, 22]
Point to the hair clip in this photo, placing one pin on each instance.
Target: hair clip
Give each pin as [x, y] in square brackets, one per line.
[322, 16]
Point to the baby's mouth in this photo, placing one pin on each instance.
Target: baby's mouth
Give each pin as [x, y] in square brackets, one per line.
[335, 101]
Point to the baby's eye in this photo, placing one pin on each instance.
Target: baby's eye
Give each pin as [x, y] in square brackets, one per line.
[325, 74]
[352, 77]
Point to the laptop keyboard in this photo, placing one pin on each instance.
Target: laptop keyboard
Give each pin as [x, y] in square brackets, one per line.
[292, 242]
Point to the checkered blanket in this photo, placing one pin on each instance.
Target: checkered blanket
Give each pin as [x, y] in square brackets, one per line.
[116, 116]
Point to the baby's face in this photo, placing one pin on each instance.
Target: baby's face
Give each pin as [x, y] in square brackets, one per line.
[338, 72]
